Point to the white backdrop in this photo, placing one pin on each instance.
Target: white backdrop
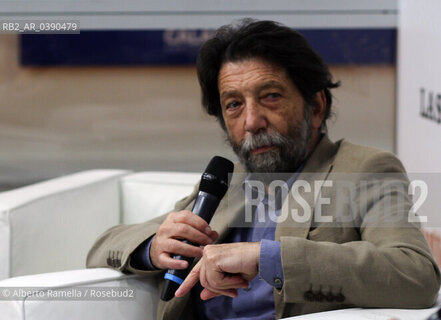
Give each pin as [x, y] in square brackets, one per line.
[419, 85]
[419, 97]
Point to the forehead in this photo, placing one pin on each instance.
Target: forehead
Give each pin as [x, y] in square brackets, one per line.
[246, 73]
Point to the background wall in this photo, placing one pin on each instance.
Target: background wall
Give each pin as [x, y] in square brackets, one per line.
[419, 107]
[59, 120]
[419, 86]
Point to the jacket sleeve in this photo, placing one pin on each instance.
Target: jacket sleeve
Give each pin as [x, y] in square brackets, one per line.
[114, 247]
[389, 266]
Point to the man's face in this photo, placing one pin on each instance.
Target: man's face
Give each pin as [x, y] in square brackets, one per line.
[264, 114]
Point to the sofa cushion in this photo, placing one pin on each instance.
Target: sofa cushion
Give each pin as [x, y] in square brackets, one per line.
[147, 195]
[50, 226]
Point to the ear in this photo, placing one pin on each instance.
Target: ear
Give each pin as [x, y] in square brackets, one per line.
[319, 109]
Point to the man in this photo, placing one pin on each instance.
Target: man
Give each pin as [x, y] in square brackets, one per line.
[271, 94]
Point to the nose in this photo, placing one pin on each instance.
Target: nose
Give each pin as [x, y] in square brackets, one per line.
[255, 119]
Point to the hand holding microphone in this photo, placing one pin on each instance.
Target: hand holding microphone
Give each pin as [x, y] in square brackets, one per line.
[177, 226]
[180, 229]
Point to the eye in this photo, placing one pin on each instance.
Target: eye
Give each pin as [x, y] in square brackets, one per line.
[273, 95]
[232, 105]
[271, 98]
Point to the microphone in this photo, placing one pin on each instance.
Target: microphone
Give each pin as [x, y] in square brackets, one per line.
[213, 186]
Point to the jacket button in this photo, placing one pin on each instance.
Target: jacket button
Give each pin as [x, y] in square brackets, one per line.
[278, 282]
[320, 297]
[330, 297]
[309, 295]
[340, 298]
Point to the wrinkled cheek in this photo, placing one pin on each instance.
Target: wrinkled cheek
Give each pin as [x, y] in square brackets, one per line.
[234, 136]
[234, 128]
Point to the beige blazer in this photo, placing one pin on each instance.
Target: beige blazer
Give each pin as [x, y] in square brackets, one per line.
[368, 260]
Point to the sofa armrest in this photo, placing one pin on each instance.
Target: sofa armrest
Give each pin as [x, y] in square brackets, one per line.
[50, 226]
[371, 313]
[140, 304]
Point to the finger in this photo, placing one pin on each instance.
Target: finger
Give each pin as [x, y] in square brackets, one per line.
[232, 282]
[169, 263]
[208, 294]
[214, 235]
[216, 285]
[193, 220]
[217, 281]
[176, 247]
[188, 232]
[190, 281]
[203, 276]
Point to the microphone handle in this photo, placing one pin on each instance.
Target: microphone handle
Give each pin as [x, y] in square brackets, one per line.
[205, 206]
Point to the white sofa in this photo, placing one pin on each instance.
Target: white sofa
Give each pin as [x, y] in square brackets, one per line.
[46, 230]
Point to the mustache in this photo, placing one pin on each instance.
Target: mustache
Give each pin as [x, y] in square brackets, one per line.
[288, 153]
[262, 139]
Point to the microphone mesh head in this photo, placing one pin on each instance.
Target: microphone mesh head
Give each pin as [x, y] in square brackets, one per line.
[215, 177]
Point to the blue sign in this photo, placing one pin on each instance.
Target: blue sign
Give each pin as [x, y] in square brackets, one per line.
[180, 47]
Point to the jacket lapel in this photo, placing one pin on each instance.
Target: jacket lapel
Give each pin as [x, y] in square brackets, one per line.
[232, 206]
[314, 173]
